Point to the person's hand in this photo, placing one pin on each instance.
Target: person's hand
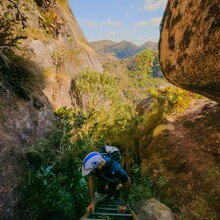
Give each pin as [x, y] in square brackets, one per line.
[91, 207]
[119, 186]
[122, 208]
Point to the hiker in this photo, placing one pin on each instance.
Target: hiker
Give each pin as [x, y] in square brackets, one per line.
[107, 176]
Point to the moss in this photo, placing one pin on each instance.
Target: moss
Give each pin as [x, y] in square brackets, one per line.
[211, 88]
[202, 5]
[169, 68]
[175, 3]
[214, 26]
[190, 4]
[176, 19]
[180, 60]
[185, 42]
[171, 42]
[214, 12]
[169, 16]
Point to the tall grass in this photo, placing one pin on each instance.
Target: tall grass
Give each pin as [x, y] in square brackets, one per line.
[22, 75]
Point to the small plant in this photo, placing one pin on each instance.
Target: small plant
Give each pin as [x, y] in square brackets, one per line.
[64, 56]
[142, 185]
[12, 25]
[45, 3]
[48, 22]
[174, 99]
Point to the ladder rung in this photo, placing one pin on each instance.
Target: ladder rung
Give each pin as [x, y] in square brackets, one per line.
[91, 218]
[111, 214]
[111, 202]
[107, 209]
[106, 205]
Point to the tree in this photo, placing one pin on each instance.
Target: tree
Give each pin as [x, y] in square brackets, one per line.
[140, 69]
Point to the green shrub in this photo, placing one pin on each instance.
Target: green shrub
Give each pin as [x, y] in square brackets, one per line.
[174, 98]
[141, 68]
[108, 111]
[54, 186]
[145, 186]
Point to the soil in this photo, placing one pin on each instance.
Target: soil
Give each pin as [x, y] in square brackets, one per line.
[188, 158]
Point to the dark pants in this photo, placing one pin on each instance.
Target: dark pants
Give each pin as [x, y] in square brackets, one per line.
[105, 187]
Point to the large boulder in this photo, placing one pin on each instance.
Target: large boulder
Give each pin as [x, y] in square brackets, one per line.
[152, 209]
[189, 46]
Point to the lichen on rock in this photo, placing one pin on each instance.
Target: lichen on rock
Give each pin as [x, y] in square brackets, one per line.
[189, 46]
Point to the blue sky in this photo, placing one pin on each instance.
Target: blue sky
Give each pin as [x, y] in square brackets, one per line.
[136, 21]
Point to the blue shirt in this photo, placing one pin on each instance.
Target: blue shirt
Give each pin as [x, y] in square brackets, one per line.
[112, 172]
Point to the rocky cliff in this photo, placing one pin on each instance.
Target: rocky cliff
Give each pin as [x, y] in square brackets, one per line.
[182, 156]
[34, 79]
[189, 46]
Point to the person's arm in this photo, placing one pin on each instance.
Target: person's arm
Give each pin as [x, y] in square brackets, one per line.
[126, 186]
[91, 206]
[126, 189]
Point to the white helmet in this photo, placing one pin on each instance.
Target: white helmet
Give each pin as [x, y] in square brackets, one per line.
[91, 161]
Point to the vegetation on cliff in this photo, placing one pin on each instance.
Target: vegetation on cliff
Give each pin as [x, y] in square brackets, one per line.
[135, 110]
[54, 185]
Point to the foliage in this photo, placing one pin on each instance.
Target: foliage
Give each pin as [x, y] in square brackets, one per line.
[109, 112]
[50, 21]
[174, 98]
[99, 84]
[141, 68]
[64, 56]
[144, 186]
[204, 209]
[156, 71]
[54, 186]
[45, 3]
[12, 24]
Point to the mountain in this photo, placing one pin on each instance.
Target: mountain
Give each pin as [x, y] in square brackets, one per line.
[150, 45]
[123, 49]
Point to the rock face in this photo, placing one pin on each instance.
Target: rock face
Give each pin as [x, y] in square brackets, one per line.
[189, 46]
[152, 209]
[21, 123]
[63, 55]
[185, 155]
[53, 40]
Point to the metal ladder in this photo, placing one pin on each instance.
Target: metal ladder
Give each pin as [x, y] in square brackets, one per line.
[109, 211]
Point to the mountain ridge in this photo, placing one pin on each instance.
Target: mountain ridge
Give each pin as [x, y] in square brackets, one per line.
[122, 49]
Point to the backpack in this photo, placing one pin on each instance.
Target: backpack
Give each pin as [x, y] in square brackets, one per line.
[112, 152]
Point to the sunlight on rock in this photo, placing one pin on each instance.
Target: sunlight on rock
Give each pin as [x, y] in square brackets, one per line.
[160, 128]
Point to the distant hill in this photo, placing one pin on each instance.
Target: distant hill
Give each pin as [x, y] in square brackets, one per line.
[123, 49]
